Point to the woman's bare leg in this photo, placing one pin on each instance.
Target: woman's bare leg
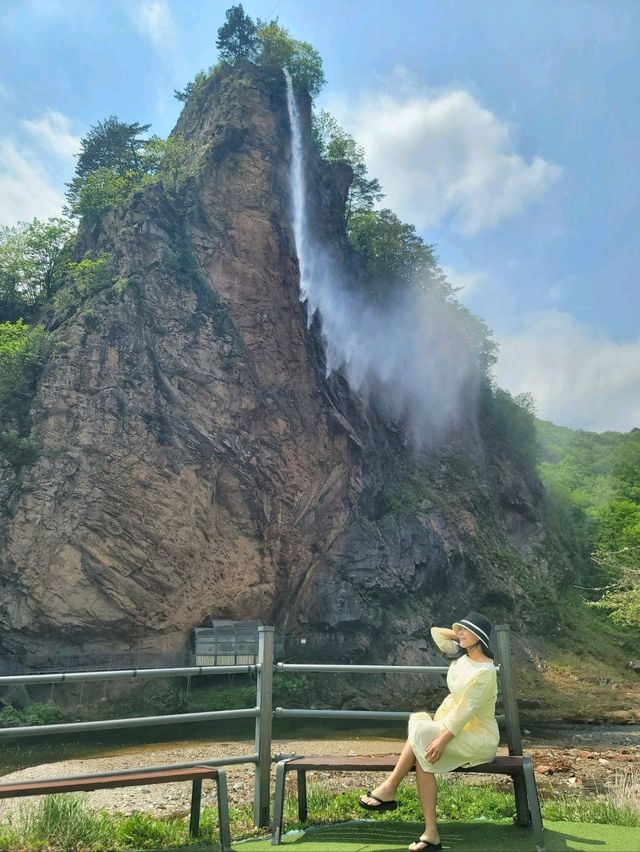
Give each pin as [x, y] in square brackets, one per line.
[428, 793]
[387, 790]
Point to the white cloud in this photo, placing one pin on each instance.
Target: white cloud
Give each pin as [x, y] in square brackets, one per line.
[26, 189]
[153, 19]
[579, 378]
[53, 133]
[444, 155]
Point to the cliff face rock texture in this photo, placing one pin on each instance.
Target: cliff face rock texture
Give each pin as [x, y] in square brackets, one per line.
[195, 460]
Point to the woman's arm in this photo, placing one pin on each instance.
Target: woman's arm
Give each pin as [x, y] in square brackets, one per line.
[445, 640]
[446, 632]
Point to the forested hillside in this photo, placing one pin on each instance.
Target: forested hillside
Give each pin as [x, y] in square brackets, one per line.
[593, 482]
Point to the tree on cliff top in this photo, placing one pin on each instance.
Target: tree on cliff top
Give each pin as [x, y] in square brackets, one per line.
[112, 144]
[237, 37]
[270, 45]
[109, 164]
[301, 60]
[334, 143]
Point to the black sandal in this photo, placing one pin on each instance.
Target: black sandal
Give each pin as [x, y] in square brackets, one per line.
[383, 806]
[425, 845]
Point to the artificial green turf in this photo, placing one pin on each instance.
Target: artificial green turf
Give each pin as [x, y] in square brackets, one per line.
[365, 836]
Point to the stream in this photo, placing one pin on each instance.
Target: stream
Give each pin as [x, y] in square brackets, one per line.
[33, 751]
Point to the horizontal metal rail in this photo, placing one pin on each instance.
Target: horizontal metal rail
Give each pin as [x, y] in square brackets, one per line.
[286, 713]
[117, 674]
[221, 761]
[313, 667]
[283, 712]
[134, 722]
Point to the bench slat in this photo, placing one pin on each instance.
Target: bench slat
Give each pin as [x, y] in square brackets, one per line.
[73, 785]
[499, 766]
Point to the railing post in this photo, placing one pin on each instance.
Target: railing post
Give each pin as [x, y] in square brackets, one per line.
[514, 738]
[512, 719]
[263, 726]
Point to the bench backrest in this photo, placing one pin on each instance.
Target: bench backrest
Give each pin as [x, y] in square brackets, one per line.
[507, 689]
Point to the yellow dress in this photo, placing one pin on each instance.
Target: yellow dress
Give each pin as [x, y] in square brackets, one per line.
[468, 712]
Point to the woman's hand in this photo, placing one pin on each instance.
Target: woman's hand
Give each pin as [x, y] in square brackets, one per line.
[434, 750]
[437, 746]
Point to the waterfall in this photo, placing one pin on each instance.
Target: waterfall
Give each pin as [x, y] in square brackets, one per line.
[409, 356]
[298, 192]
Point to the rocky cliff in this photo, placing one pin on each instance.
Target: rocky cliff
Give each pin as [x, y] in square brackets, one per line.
[196, 461]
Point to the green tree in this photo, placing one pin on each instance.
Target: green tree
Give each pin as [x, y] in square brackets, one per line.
[84, 279]
[237, 37]
[197, 83]
[23, 351]
[33, 260]
[277, 49]
[510, 423]
[334, 143]
[113, 150]
[49, 246]
[622, 596]
[103, 189]
[172, 160]
[392, 251]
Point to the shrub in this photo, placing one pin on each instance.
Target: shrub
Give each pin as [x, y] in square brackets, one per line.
[84, 279]
[23, 351]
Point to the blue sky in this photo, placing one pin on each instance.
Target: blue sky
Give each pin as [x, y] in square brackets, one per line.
[506, 131]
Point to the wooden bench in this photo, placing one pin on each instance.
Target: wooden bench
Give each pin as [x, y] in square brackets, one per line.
[518, 767]
[138, 778]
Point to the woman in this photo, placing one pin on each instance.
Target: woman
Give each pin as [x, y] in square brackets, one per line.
[463, 731]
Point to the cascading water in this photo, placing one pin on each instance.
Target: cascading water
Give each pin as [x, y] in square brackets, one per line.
[411, 356]
[298, 188]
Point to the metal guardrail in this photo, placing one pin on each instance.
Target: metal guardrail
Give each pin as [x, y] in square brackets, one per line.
[262, 712]
[131, 722]
[123, 674]
[285, 713]
[321, 667]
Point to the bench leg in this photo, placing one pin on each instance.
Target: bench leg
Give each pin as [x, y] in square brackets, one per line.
[534, 804]
[522, 806]
[223, 811]
[278, 804]
[196, 799]
[302, 794]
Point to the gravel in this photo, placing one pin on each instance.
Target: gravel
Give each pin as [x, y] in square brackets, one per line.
[560, 767]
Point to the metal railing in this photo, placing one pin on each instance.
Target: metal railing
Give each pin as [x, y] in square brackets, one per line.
[261, 757]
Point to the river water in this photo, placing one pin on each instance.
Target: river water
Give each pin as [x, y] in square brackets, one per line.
[33, 751]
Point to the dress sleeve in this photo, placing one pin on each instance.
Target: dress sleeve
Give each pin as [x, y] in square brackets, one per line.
[477, 690]
[446, 645]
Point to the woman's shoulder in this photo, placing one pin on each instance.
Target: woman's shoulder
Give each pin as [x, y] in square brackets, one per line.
[478, 668]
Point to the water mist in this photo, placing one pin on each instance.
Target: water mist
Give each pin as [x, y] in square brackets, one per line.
[410, 358]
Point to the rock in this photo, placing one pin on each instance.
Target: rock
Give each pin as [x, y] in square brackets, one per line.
[196, 460]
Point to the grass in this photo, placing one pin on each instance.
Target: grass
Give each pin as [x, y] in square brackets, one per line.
[575, 685]
[461, 837]
[470, 816]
